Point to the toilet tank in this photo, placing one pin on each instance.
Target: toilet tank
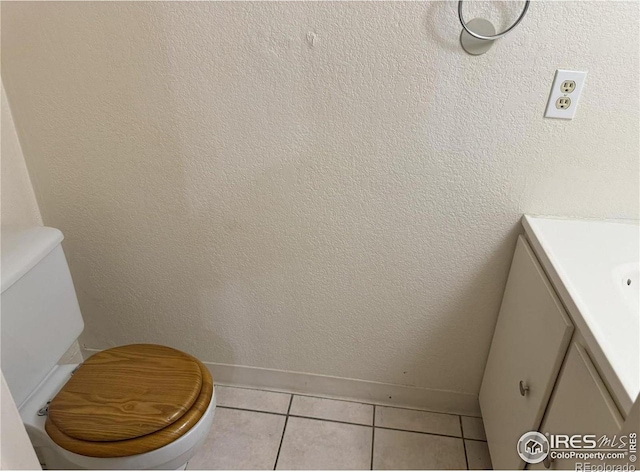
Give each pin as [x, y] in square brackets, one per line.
[39, 313]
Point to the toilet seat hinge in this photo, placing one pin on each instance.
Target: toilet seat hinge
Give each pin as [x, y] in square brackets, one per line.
[44, 411]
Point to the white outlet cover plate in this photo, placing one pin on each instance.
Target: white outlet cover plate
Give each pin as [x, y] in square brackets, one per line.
[561, 75]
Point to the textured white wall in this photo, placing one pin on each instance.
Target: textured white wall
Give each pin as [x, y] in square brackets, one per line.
[18, 206]
[331, 188]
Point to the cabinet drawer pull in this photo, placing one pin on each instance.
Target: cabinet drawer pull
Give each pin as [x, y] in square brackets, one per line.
[524, 388]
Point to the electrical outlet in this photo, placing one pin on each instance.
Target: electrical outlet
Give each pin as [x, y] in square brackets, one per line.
[568, 86]
[565, 93]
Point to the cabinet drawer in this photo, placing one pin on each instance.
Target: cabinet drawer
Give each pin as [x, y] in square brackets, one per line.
[580, 404]
[531, 338]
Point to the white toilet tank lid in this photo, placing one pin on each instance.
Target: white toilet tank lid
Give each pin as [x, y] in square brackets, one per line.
[23, 248]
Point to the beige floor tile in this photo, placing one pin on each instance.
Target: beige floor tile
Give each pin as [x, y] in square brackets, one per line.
[473, 428]
[414, 420]
[478, 455]
[239, 439]
[327, 409]
[315, 444]
[401, 450]
[249, 399]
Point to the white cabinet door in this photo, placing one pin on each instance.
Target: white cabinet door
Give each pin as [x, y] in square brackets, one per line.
[580, 404]
[531, 338]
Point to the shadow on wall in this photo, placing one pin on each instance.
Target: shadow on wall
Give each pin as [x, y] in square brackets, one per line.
[296, 185]
[478, 295]
[168, 258]
[140, 253]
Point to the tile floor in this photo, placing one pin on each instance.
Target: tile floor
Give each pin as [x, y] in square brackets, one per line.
[257, 429]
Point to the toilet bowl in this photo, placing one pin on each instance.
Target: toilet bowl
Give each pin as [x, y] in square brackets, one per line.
[173, 456]
[140, 406]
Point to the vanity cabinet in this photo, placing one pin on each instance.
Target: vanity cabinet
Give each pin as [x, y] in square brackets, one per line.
[580, 404]
[539, 375]
[529, 344]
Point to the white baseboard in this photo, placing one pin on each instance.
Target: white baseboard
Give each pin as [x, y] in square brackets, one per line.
[346, 389]
[337, 387]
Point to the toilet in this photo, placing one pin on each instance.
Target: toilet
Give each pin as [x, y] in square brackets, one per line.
[140, 406]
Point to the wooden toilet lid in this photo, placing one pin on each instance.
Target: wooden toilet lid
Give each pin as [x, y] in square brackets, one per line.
[129, 400]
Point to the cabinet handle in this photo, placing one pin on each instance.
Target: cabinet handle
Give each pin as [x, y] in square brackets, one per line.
[547, 462]
[524, 388]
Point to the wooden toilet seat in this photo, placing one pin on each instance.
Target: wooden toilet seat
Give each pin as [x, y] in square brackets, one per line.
[129, 400]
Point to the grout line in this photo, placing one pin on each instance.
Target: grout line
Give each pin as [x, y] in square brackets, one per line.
[419, 432]
[340, 399]
[343, 422]
[330, 421]
[249, 409]
[464, 446]
[290, 403]
[256, 388]
[373, 434]
[373, 420]
[286, 420]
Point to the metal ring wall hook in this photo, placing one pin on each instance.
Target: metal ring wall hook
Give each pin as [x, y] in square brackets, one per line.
[473, 43]
[494, 36]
